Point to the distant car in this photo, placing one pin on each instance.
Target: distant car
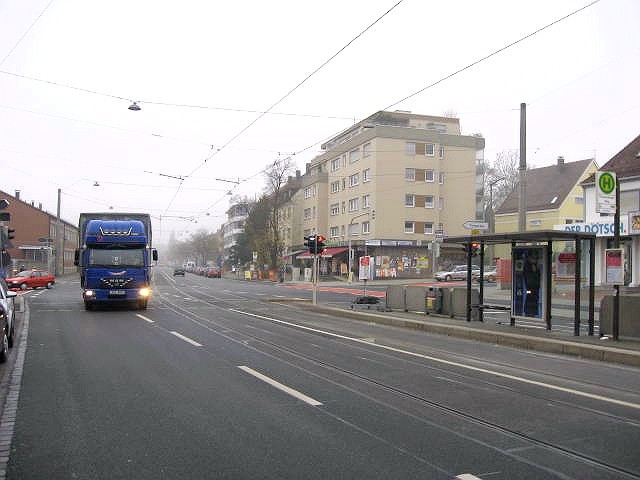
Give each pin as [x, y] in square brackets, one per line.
[214, 273]
[7, 302]
[459, 272]
[178, 271]
[31, 279]
[490, 275]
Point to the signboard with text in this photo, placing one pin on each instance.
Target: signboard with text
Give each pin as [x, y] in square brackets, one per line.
[606, 192]
[614, 265]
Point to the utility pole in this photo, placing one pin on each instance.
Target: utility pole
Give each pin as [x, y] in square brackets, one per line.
[522, 201]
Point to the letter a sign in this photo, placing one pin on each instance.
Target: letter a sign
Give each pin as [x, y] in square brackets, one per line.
[605, 192]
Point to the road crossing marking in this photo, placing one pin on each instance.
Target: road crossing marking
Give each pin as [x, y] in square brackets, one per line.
[146, 319]
[280, 386]
[186, 339]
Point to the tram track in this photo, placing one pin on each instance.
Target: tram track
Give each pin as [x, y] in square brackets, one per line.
[227, 304]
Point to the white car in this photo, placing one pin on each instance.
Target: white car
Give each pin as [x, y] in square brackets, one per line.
[459, 272]
[8, 303]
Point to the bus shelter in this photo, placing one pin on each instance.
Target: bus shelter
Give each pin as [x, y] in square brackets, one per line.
[528, 251]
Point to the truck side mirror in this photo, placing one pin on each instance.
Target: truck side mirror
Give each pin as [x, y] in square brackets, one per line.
[76, 257]
[154, 255]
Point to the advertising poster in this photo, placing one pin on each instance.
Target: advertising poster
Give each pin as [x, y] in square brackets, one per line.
[614, 264]
[528, 278]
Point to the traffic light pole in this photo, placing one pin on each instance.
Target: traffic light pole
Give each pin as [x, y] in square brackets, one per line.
[315, 279]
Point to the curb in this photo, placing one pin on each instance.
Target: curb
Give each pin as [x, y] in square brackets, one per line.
[548, 345]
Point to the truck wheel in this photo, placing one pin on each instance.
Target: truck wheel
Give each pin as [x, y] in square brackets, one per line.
[142, 305]
[88, 306]
[4, 348]
[23, 286]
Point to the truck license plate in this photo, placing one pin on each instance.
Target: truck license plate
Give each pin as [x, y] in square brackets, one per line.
[117, 293]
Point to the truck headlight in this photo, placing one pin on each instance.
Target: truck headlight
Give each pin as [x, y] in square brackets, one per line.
[89, 293]
[144, 292]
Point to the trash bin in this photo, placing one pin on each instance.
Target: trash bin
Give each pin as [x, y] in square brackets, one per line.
[433, 300]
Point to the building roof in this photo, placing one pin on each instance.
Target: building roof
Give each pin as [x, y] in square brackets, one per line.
[625, 163]
[547, 187]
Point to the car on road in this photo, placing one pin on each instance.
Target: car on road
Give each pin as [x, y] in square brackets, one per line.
[213, 273]
[490, 275]
[7, 302]
[459, 272]
[4, 335]
[178, 271]
[31, 279]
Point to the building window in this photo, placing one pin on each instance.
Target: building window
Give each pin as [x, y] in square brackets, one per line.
[428, 227]
[409, 227]
[441, 178]
[429, 176]
[354, 155]
[342, 231]
[366, 175]
[410, 148]
[366, 150]
[354, 204]
[441, 203]
[428, 201]
[366, 227]
[334, 232]
[409, 200]
[354, 229]
[335, 209]
[441, 152]
[335, 164]
[344, 207]
[335, 186]
[354, 179]
[430, 149]
[307, 214]
[309, 192]
[366, 201]
[410, 174]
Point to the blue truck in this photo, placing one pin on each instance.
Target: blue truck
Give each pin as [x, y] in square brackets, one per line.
[115, 257]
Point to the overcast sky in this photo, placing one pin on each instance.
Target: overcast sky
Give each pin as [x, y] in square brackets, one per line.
[202, 71]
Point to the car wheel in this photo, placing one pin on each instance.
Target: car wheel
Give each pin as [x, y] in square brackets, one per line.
[447, 278]
[49, 284]
[23, 286]
[4, 348]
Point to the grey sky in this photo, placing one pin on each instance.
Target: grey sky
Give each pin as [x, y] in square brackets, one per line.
[579, 79]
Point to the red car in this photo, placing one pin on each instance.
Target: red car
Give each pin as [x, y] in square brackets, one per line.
[31, 279]
[214, 273]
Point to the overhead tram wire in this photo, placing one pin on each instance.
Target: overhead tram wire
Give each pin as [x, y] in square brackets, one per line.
[486, 57]
[26, 33]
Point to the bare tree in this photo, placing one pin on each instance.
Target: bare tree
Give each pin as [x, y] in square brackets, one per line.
[277, 176]
[505, 169]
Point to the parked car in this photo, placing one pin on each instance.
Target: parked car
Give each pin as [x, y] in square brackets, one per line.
[490, 275]
[31, 279]
[459, 272]
[178, 271]
[4, 335]
[214, 273]
[7, 302]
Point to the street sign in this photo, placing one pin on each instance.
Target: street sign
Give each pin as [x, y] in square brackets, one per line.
[475, 225]
[45, 240]
[605, 192]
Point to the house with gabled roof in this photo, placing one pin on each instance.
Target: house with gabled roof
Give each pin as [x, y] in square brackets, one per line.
[554, 196]
[626, 165]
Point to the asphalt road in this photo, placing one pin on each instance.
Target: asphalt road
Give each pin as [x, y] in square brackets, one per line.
[232, 379]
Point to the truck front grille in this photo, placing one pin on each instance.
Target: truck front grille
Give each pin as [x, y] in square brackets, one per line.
[115, 282]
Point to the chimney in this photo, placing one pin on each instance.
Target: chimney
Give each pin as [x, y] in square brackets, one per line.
[17, 195]
[298, 173]
[40, 206]
[560, 163]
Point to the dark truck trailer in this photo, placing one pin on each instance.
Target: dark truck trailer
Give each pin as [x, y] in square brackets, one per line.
[115, 257]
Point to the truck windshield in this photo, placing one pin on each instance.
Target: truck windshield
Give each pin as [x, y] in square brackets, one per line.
[116, 258]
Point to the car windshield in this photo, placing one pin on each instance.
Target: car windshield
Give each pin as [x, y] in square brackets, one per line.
[116, 258]
[25, 274]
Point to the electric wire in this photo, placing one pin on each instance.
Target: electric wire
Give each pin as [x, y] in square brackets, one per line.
[26, 33]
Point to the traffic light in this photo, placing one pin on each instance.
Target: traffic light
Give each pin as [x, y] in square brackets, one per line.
[310, 243]
[319, 244]
[10, 232]
[473, 248]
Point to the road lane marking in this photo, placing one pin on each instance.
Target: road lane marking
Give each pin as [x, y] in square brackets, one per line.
[186, 339]
[146, 319]
[280, 386]
[486, 371]
[467, 476]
